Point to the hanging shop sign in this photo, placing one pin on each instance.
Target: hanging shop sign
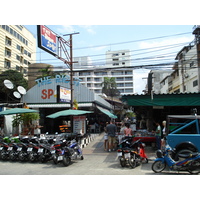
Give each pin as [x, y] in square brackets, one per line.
[47, 39]
[63, 94]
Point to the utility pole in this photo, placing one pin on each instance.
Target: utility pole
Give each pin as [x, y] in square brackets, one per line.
[69, 60]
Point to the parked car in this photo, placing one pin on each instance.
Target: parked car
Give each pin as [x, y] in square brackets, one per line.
[183, 133]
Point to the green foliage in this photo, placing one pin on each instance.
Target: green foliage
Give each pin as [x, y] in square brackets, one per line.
[24, 119]
[110, 87]
[15, 77]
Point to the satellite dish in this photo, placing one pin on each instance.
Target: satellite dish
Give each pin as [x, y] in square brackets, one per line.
[21, 90]
[17, 95]
[8, 84]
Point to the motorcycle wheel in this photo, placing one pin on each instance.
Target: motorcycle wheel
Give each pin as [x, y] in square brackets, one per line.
[31, 157]
[132, 161]
[122, 162]
[3, 155]
[42, 158]
[21, 156]
[194, 168]
[12, 156]
[55, 159]
[158, 166]
[66, 160]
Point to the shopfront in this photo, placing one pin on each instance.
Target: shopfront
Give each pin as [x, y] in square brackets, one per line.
[156, 107]
[51, 95]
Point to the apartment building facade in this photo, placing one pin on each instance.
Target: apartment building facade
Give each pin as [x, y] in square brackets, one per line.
[116, 63]
[185, 75]
[17, 48]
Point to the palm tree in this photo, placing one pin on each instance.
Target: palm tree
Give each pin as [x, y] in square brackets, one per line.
[110, 87]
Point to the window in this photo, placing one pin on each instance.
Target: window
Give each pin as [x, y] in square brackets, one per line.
[25, 62]
[195, 83]
[97, 79]
[128, 90]
[84, 73]
[115, 54]
[128, 78]
[192, 63]
[18, 47]
[7, 64]
[120, 84]
[17, 67]
[89, 79]
[7, 52]
[18, 57]
[119, 78]
[128, 84]
[128, 72]
[8, 41]
[89, 85]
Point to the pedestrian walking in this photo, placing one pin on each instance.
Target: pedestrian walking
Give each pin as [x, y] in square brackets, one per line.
[111, 131]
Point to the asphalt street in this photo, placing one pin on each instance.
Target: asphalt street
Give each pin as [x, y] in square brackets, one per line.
[96, 162]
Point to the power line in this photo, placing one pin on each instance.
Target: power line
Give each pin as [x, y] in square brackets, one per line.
[133, 41]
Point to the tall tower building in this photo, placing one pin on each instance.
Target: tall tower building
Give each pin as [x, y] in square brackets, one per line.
[17, 48]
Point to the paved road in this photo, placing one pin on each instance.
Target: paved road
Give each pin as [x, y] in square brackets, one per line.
[96, 162]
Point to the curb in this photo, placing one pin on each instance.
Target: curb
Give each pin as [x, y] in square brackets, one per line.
[85, 141]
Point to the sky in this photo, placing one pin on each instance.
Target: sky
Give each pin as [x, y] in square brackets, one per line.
[149, 44]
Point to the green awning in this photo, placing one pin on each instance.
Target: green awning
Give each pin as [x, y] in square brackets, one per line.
[187, 99]
[108, 113]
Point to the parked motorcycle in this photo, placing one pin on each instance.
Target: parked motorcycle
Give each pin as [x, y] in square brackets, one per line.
[13, 146]
[191, 162]
[75, 149]
[4, 154]
[131, 153]
[32, 150]
[61, 153]
[44, 150]
[22, 149]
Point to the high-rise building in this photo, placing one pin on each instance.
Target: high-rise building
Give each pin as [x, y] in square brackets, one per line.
[116, 63]
[17, 48]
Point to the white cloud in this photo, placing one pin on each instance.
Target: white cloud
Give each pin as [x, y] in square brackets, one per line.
[64, 29]
[140, 80]
[174, 41]
[89, 29]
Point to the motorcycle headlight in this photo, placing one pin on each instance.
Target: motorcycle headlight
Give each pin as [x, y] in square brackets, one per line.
[159, 154]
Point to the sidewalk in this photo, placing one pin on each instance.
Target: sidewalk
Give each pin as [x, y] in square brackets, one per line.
[97, 146]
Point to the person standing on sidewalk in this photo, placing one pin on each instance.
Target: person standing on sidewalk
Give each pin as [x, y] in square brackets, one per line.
[158, 135]
[111, 131]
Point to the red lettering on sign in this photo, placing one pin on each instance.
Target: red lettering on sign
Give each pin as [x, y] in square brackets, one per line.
[47, 93]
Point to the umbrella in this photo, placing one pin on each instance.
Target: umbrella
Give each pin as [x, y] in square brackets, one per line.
[68, 112]
[17, 111]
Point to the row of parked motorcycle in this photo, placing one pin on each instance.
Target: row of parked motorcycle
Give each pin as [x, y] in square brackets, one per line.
[132, 153]
[58, 148]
